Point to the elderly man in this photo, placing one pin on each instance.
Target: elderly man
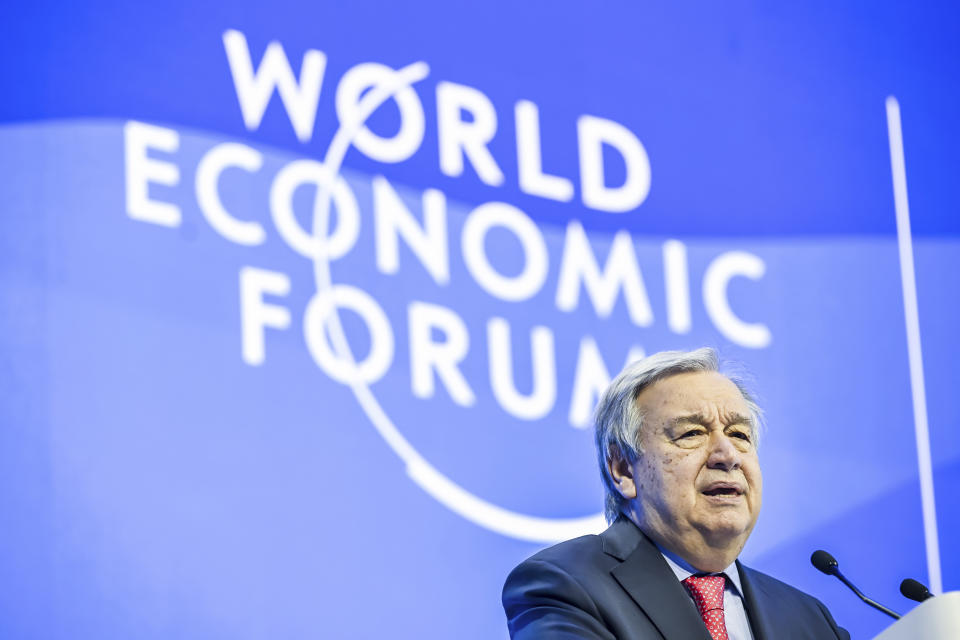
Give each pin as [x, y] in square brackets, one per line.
[677, 445]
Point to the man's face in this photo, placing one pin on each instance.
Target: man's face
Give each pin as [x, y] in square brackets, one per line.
[698, 478]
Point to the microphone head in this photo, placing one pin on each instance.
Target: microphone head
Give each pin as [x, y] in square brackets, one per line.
[824, 562]
[914, 590]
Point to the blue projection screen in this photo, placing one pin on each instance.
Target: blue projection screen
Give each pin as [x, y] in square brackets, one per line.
[304, 308]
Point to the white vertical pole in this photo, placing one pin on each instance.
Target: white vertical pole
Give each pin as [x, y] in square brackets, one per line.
[909, 281]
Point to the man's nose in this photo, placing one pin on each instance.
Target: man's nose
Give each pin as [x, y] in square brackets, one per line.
[723, 454]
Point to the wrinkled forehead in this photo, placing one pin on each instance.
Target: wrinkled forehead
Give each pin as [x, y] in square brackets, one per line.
[695, 392]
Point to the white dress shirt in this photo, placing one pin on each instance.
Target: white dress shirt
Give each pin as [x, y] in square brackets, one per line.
[734, 614]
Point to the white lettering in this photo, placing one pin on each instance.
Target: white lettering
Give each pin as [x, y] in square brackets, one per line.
[407, 140]
[590, 380]
[254, 89]
[256, 315]
[677, 281]
[142, 170]
[428, 242]
[620, 271]
[529, 157]
[724, 268]
[343, 367]
[458, 138]
[593, 133]
[516, 288]
[427, 356]
[325, 245]
[212, 164]
[544, 394]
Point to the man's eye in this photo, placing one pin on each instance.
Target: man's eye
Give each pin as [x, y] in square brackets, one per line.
[741, 435]
[692, 433]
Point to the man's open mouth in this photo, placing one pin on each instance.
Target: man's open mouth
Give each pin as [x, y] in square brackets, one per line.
[722, 490]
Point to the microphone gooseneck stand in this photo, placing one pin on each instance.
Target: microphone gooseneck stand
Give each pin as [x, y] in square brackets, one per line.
[826, 563]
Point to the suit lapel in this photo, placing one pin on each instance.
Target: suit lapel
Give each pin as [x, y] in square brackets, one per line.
[754, 599]
[646, 577]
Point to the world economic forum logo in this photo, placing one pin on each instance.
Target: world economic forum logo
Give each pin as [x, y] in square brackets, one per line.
[471, 274]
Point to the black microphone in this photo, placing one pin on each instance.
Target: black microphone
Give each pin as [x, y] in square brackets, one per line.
[826, 563]
[915, 590]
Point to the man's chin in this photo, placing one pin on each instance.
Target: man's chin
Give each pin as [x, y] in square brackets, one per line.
[721, 532]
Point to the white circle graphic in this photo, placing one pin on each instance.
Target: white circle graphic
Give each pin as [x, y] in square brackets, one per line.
[431, 480]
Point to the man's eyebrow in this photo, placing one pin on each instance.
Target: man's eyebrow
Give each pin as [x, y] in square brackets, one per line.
[693, 418]
[701, 419]
[739, 418]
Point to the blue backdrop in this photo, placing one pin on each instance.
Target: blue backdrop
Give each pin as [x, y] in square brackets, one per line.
[296, 345]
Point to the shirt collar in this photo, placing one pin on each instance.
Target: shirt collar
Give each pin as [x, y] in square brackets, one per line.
[683, 569]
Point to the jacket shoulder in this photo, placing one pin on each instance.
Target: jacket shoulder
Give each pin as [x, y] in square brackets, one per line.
[571, 554]
[591, 553]
[578, 561]
[559, 592]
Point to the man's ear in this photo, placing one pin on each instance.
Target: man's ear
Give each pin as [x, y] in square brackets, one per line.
[621, 470]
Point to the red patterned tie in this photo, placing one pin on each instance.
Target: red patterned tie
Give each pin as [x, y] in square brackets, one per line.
[707, 592]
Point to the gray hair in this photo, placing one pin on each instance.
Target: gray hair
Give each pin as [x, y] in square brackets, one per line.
[619, 421]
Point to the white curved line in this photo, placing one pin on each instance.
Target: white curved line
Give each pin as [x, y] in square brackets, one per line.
[437, 485]
[496, 518]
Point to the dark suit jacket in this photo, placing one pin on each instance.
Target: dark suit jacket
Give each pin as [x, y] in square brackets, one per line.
[617, 585]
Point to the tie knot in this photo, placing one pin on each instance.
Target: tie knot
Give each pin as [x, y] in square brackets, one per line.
[707, 592]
